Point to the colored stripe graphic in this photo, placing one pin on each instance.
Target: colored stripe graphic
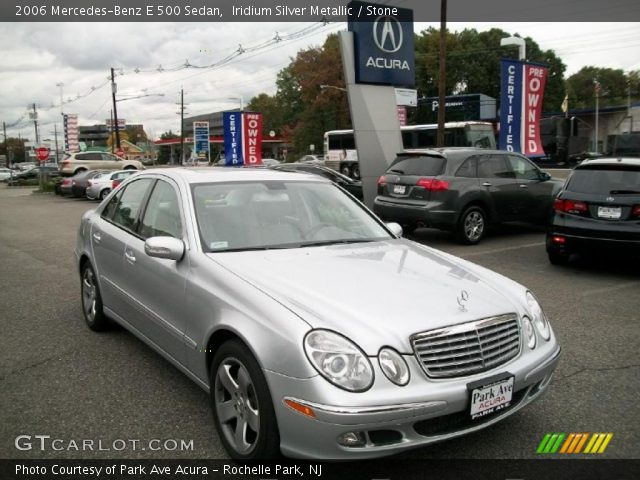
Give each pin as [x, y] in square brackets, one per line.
[573, 443]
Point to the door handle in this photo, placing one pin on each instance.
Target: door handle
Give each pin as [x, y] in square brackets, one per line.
[97, 237]
[131, 258]
[522, 185]
[486, 184]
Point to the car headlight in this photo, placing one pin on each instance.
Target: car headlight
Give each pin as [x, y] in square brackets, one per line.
[393, 366]
[529, 332]
[539, 318]
[339, 360]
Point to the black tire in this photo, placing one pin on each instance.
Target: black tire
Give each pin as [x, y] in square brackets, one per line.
[104, 193]
[345, 170]
[241, 402]
[130, 167]
[472, 225]
[78, 170]
[409, 228]
[556, 258]
[92, 301]
[355, 172]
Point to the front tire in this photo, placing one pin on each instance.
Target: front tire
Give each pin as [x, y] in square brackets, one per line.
[92, 301]
[355, 172]
[242, 405]
[472, 226]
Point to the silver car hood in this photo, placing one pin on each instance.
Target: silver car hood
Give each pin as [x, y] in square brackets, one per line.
[377, 293]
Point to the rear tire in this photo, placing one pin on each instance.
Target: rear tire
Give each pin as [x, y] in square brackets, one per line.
[409, 228]
[556, 258]
[104, 193]
[92, 300]
[242, 406]
[472, 225]
[355, 172]
[130, 167]
[345, 171]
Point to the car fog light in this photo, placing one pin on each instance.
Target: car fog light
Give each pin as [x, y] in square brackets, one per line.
[352, 439]
[393, 366]
[529, 333]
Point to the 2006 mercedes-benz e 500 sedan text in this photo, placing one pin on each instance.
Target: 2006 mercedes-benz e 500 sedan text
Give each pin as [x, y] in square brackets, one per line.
[317, 330]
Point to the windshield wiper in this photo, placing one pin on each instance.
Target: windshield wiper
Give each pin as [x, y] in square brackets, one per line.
[321, 243]
[250, 249]
[623, 192]
[401, 172]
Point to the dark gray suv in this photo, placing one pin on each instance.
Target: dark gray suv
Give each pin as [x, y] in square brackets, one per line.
[463, 190]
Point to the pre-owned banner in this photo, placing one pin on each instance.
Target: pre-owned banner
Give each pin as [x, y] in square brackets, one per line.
[521, 97]
[71, 140]
[232, 123]
[252, 138]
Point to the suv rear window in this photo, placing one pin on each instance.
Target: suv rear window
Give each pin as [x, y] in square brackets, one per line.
[421, 165]
[605, 179]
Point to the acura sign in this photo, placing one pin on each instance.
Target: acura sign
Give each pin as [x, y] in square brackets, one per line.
[383, 38]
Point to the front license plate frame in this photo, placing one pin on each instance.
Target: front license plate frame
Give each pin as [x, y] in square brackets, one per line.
[490, 396]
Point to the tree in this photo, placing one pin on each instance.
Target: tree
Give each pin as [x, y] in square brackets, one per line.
[616, 87]
[473, 64]
[15, 150]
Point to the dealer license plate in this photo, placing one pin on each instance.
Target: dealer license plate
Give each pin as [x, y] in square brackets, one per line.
[612, 213]
[400, 189]
[491, 398]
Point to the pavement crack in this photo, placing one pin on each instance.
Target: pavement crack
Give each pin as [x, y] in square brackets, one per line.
[35, 364]
[602, 369]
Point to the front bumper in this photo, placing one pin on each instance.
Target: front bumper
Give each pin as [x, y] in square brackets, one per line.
[390, 418]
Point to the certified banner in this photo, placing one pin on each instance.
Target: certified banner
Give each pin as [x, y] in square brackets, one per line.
[232, 123]
[252, 138]
[521, 98]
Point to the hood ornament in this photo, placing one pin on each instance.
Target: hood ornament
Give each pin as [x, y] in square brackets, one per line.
[462, 300]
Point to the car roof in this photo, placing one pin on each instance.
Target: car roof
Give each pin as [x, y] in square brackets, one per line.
[610, 161]
[194, 175]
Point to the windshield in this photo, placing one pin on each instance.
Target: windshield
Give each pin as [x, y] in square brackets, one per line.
[275, 214]
[606, 179]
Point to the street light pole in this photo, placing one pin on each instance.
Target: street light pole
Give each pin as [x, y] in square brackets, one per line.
[595, 132]
[442, 72]
[518, 42]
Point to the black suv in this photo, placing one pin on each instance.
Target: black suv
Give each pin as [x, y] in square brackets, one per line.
[598, 206]
[463, 190]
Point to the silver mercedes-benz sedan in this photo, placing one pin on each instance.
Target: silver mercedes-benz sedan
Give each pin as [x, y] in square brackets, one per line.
[317, 330]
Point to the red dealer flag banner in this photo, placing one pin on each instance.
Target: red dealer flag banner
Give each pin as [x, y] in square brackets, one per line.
[521, 98]
[252, 138]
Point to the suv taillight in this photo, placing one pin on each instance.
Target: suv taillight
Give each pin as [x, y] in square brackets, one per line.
[432, 184]
[66, 162]
[636, 211]
[115, 183]
[382, 180]
[570, 206]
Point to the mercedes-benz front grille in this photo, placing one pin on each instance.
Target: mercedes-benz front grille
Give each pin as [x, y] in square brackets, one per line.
[468, 348]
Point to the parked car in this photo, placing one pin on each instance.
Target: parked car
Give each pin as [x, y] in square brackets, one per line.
[271, 291]
[5, 173]
[599, 206]
[33, 173]
[77, 185]
[100, 186]
[354, 187]
[463, 190]
[76, 162]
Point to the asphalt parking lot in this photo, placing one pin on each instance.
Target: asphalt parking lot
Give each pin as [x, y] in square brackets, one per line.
[57, 378]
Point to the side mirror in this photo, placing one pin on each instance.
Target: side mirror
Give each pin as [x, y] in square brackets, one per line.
[544, 176]
[164, 247]
[395, 228]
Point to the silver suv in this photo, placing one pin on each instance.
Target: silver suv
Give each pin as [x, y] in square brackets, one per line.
[77, 162]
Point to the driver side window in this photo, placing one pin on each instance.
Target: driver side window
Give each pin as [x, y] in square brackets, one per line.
[523, 168]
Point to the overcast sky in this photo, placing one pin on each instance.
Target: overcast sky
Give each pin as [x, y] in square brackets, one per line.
[37, 56]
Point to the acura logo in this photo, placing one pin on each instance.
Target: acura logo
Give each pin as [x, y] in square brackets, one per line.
[387, 33]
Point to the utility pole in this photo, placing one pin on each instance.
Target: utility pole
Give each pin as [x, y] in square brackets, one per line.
[6, 144]
[114, 89]
[60, 85]
[55, 133]
[181, 113]
[442, 101]
[595, 133]
[35, 123]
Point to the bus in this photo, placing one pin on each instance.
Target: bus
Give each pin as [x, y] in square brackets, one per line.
[340, 148]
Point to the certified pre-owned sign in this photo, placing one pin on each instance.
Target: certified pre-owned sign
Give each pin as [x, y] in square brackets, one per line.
[383, 37]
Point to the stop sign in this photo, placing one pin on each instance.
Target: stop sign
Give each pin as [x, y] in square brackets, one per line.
[42, 153]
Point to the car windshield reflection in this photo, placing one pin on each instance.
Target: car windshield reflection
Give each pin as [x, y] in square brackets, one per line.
[262, 215]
